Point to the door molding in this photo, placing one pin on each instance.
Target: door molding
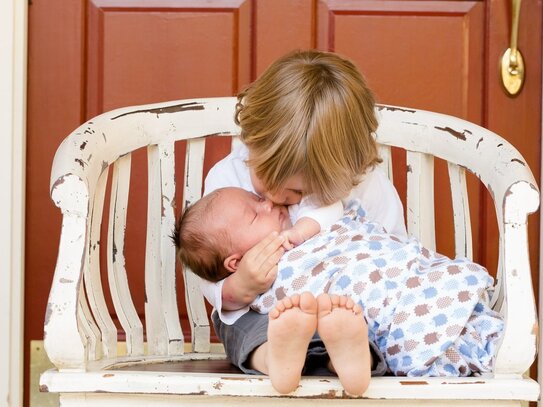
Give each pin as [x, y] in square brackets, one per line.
[540, 293]
[13, 53]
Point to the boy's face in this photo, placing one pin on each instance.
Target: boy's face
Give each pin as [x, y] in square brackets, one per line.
[290, 194]
[248, 219]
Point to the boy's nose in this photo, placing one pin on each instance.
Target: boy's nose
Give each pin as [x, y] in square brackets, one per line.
[284, 198]
[277, 198]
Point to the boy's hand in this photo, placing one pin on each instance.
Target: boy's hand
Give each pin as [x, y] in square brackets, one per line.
[256, 273]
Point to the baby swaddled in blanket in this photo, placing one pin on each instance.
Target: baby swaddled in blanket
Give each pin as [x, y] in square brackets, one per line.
[427, 314]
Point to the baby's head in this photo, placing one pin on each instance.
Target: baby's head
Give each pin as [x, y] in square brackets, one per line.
[213, 234]
[310, 115]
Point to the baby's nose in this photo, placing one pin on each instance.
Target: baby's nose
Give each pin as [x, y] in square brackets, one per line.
[266, 205]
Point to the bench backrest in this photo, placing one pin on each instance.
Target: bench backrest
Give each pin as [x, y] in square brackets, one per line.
[79, 330]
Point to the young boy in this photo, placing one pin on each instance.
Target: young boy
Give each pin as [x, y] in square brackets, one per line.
[307, 141]
[428, 314]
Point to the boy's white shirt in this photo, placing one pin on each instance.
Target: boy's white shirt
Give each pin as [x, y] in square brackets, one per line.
[378, 197]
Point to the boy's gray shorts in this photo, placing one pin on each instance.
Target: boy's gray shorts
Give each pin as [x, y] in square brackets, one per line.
[251, 330]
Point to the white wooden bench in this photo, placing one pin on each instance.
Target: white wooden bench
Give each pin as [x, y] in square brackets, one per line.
[81, 338]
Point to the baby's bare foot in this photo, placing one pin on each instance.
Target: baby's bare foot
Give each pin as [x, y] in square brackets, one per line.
[293, 322]
[344, 331]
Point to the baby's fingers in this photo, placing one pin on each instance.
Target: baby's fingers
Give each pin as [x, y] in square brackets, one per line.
[287, 245]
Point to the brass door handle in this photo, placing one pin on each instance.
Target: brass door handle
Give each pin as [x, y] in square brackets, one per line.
[512, 63]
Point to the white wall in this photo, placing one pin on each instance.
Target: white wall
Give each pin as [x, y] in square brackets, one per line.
[13, 28]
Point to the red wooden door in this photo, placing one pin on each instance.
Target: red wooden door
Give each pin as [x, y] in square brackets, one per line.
[89, 56]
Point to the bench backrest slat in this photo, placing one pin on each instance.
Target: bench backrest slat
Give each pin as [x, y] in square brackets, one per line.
[192, 191]
[155, 324]
[93, 281]
[166, 153]
[461, 216]
[420, 198]
[89, 329]
[117, 276]
[386, 155]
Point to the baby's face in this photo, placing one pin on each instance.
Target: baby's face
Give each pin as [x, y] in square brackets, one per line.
[249, 218]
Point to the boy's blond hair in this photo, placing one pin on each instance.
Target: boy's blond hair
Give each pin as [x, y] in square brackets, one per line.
[199, 248]
[310, 113]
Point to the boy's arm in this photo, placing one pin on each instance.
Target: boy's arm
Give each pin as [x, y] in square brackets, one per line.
[256, 273]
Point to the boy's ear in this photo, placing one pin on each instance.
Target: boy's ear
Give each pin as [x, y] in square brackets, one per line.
[231, 263]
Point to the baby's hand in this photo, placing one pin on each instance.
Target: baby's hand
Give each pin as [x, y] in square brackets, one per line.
[293, 238]
[305, 228]
[258, 267]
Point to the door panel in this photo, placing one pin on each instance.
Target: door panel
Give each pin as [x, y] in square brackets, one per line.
[281, 26]
[162, 51]
[405, 68]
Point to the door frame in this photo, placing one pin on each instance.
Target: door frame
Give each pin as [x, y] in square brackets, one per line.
[13, 51]
[540, 299]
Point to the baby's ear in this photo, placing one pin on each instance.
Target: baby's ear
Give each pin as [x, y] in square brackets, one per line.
[231, 263]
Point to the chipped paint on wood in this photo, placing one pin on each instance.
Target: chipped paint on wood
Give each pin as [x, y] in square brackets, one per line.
[395, 109]
[413, 383]
[183, 107]
[59, 181]
[457, 383]
[460, 135]
[114, 251]
[48, 312]
[331, 395]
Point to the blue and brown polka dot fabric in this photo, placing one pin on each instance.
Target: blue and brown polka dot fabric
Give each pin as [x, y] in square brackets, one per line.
[428, 314]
